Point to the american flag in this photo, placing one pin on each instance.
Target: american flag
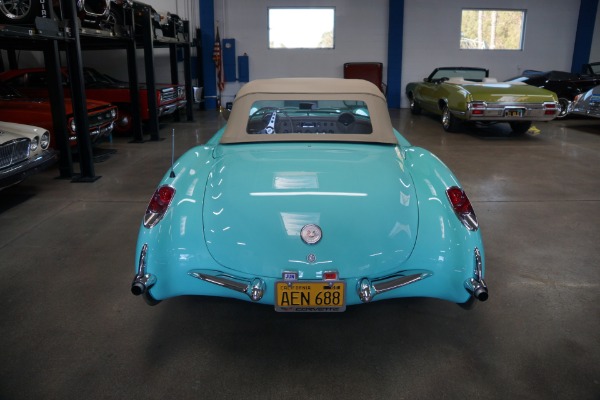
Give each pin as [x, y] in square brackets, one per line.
[219, 62]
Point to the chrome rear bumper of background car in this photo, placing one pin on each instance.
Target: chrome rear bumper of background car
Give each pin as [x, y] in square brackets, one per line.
[484, 111]
[169, 109]
[20, 171]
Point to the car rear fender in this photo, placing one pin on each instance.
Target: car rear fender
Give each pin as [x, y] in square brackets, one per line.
[449, 245]
[456, 98]
[176, 243]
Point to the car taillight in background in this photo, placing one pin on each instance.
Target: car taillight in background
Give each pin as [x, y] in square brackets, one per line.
[462, 207]
[158, 206]
[72, 125]
[477, 107]
[550, 108]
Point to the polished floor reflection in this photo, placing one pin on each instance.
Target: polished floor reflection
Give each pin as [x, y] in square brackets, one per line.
[71, 329]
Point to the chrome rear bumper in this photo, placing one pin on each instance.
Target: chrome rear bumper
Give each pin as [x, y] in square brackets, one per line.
[367, 289]
[476, 285]
[142, 281]
[255, 288]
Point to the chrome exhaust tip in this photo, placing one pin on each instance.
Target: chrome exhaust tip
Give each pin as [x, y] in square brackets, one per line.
[478, 289]
[142, 283]
[137, 288]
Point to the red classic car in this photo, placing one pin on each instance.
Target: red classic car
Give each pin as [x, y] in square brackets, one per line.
[14, 107]
[169, 98]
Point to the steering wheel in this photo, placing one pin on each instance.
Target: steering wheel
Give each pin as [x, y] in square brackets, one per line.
[346, 121]
[276, 121]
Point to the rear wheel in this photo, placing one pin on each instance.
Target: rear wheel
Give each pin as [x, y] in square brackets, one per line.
[469, 304]
[564, 107]
[19, 12]
[151, 301]
[415, 108]
[519, 128]
[449, 121]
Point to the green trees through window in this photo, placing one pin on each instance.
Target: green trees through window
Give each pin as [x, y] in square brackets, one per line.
[492, 29]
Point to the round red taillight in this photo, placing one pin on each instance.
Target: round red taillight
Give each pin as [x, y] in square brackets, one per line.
[159, 203]
[462, 207]
[161, 199]
[459, 200]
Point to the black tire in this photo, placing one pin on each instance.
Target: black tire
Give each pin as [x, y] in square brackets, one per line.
[20, 12]
[415, 108]
[124, 123]
[449, 121]
[468, 305]
[151, 301]
[519, 128]
[563, 107]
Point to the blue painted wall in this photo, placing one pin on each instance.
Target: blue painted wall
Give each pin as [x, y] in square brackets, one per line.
[395, 38]
[584, 35]
[207, 27]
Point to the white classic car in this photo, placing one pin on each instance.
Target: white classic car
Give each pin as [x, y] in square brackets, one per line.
[23, 151]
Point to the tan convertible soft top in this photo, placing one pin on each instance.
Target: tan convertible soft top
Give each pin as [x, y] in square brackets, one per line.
[309, 89]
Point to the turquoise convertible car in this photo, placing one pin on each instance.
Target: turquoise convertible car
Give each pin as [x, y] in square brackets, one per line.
[308, 200]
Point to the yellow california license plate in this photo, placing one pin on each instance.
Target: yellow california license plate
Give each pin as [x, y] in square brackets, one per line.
[298, 296]
[514, 112]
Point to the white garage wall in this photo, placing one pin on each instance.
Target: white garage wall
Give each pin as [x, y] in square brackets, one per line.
[431, 39]
[361, 29]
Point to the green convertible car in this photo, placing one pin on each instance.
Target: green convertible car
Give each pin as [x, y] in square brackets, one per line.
[464, 94]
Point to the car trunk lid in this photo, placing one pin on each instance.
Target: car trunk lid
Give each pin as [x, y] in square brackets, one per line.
[509, 93]
[259, 197]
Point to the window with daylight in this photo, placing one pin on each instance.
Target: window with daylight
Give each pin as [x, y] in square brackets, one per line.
[492, 29]
[301, 28]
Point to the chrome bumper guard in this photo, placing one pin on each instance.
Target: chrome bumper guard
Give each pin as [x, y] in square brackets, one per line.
[476, 285]
[169, 109]
[368, 289]
[255, 288]
[142, 281]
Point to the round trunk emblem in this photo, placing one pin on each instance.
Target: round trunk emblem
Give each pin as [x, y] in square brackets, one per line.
[311, 234]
